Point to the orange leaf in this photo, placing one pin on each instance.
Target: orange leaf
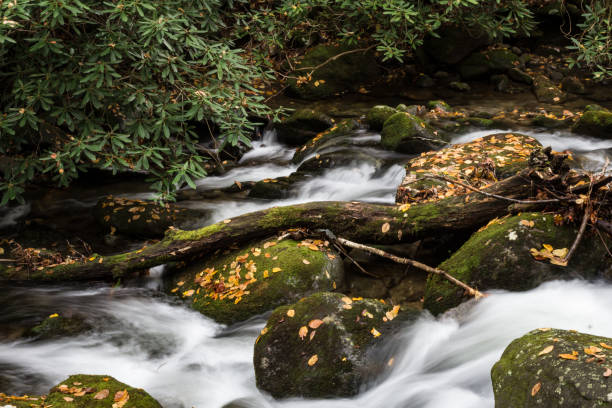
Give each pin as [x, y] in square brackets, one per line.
[546, 350]
[303, 332]
[568, 356]
[313, 360]
[101, 394]
[536, 389]
[315, 323]
[290, 312]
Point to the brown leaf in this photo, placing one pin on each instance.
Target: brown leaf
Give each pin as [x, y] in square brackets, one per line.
[303, 332]
[385, 227]
[68, 399]
[313, 360]
[536, 389]
[101, 394]
[121, 398]
[568, 356]
[546, 350]
[312, 334]
[315, 323]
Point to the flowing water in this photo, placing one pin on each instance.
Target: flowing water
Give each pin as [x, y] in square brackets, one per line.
[184, 359]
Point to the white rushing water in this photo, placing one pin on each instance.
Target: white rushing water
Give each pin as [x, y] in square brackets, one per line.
[186, 360]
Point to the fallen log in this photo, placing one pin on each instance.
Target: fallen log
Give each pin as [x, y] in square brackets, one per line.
[363, 222]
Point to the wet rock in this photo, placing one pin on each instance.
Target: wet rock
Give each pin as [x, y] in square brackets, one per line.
[335, 136]
[54, 327]
[343, 74]
[595, 123]
[90, 391]
[528, 376]
[424, 81]
[487, 62]
[574, 85]
[367, 287]
[520, 76]
[275, 189]
[140, 218]
[439, 105]
[377, 116]
[546, 91]
[407, 133]
[480, 122]
[409, 289]
[507, 154]
[454, 44]
[241, 283]
[499, 257]
[460, 86]
[301, 126]
[326, 345]
[338, 158]
[416, 110]
[550, 122]
[501, 83]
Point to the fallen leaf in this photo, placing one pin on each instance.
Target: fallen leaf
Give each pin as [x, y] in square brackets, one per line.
[315, 323]
[121, 398]
[312, 334]
[568, 356]
[68, 399]
[290, 312]
[313, 360]
[536, 389]
[592, 350]
[53, 316]
[306, 261]
[385, 227]
[546, 350]
[527, 223]
[227, 221]
[604, 345]
[313, 247]
[607, 373]
[276, 270]
[189, 293]
[347, 300]
[375, 332]
[303, 332]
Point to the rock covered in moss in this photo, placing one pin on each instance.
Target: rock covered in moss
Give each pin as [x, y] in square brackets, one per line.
[334, 136]
[302, 126]
[338, 158]
[550, 121]
[346, 73]
[519, 75]
[554, 368]
[377, 116]
[21, 401]
[460, 86]
[595, 123]
[573, 84]
[407, 133]
[276, 188]
[546, 91]
[145, 218]
[245, 282]
[439, 105]
[323, 346]
[501, 256]
[56, 326]
[97, 391]
[479, 162]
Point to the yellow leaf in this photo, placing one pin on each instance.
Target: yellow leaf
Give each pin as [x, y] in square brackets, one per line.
[548, 247]
[315, 323]
[303, 332]
[313, 360]
[264, 331]
[276, 270]
[306, 261]
[527, 223]
[375, 332]
[385, 227]
[53, 316]
[561, 253]
[189, 292]
[535, 389]
[101, 394]
[604, 345]
[121, 398]
[568, 356]
[266, 274]
[546, 350]
[290, 312]
[592, 350]
[313, 247]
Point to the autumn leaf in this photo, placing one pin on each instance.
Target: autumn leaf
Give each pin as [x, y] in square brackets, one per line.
[189, 293]
[306, 261]
[536, 389]
[604, 345]
[315, 323]
[276, 270]
[101, 394]
[527, 223]
[546, 350]
[568, 356]
[313, 360]
[375, 332]
[53, 316]
[227, 221]
[121, 398]
[313, 247]
[290, 312]
[592, 350]
[385, 227]
[607, 373]
[347, 300]
[68, 399]
[303, 332]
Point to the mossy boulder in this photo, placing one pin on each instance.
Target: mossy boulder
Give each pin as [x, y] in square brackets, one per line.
[547, 91]
[338, 158]
[346, 73]
[145, 219]
[532, 373]
[551, 122]
[301, 126]
[479, 162]
[377, 116]
[334, 136]
[439, 105]
[574, 85]
[241, 283]
[595, 123]
[326, 345]
[407, 133]
[481, 64]
[499, 256]
[56, 326]
[519, 75]
[277, 188]
[460, 86]
[86, 391]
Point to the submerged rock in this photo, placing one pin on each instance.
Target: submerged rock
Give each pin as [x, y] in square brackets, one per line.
[277, 188]
[546, 91]
[595, 123]
[343, 74]
[245, 282]
[478, 163]
[93, 391]
[145, 218]
[377, 116]
[554, 368]
[301, 126]
[333, 136]
[460, 86]
[338, 158]
[326, 345]
[501, 256]
[407, 133]
[481, 64]
[56, 326]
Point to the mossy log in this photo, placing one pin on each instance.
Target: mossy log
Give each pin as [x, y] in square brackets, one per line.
[356, 221]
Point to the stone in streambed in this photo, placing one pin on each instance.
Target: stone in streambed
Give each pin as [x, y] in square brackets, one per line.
[242, 283]
[532, 373]
[337, 135]
[54, 327]
[407, 133]
[546, 91]
[377, 116]
[595, 123]
[326, 345]
[301, 126]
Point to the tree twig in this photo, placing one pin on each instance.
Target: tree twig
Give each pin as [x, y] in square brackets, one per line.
[361, 268]
[405, 261]
[335, 57]
[498, 197]
[585, 219]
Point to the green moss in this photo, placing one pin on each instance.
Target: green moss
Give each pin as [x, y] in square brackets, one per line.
[217, 294]
[480, 122]
[595, 123]
[138, 398]
[377, 116]
[563, 382]
[54, 327]
[407, 133]
[439, 104]
[546, 91]
[548, 122]
[180, 235]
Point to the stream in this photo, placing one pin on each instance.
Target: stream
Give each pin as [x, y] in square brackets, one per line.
[183, 359]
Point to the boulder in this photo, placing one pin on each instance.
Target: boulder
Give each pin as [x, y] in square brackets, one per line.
[480, 64]
[424, 81]
[407, 133]
[554, 368]
[338, 158]
[346, 73]
[574, 85]
[460, 86]
[301, 126]
[479, 162]
[241, 283]
[275, 189]
[377, 116]
[326, 345]
[515, 254]
[549, 121]
[454, 44]
[56, 326]
[595, 123]
[335, 136]
[546, 91]
[97, 391]
[439, 106]
[146, 219]
[520, 76]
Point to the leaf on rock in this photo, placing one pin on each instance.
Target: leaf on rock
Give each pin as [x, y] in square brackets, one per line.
[68, 399]
[604, 345]
[121, 398]
[290, 312]
[375, 332]
[303, 332]
[536, 389]
[188, 293]
[385, 227]
[546, 350]
[527, 223]
[315, 323]
[313, 360]
[568, 356]
[306, 261]
[607, 373]
[592, 350]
